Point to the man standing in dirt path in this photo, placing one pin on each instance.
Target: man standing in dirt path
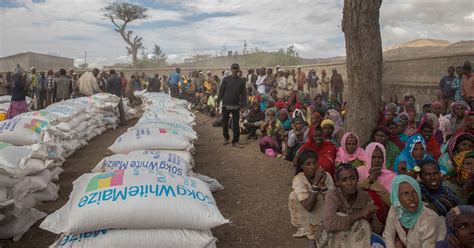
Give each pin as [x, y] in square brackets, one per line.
[233, 95]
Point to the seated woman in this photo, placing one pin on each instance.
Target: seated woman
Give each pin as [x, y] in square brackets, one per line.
[296, 138]
[315, 119]
[306, 201]
[462, 181]
[459, 143]
[402, 126]
[328, 129]
[382, 136]
[350, 151]
[336, 117]
[376, 179]
[433, 191]
[254, 120]
[411, 156]
[432, 145]
[348, 211]
[285, 119]
[409, 129]
[431, 119]
[459, 112]
[460, 223]
[394, 134]
[271, 134]
[325, 149]
[410, 224]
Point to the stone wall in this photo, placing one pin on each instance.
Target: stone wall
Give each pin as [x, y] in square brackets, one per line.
[415, 76]
[42, 62]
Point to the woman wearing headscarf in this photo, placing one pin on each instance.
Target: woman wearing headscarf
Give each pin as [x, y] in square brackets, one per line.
[409, 223]
[337, 119]
[459, 222]
[462, 181]
[325, 149]
[18, 100]
[459, 112]
[431, 119]
[349, 212]
[432, 145]
[394, 129]
[285, 119]
[402, 126]
[409, 129]
[271, 134]
[306, 201]
[382, 135]
[328, 130]
[254, 120]
[350, 151]
[459, 143]
[413, 153]
[297, 136]
[376, 179]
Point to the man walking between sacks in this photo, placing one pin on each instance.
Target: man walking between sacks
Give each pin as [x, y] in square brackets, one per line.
[233, 95]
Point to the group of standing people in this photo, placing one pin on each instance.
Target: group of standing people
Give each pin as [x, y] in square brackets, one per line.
[410, 184]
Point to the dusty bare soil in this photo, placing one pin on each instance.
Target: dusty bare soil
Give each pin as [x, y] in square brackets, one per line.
[255, 198]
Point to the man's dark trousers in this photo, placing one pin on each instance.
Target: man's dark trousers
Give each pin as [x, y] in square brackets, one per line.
[235, 124]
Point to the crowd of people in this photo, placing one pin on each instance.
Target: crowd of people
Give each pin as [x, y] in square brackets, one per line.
[411, 184]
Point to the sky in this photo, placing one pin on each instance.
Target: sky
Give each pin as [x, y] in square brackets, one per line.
[182, 28]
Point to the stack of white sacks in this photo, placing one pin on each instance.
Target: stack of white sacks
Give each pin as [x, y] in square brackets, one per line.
[146, 195]
[34, 145]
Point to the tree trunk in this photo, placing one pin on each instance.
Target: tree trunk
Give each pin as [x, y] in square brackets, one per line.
[134, 56]
[361, 28]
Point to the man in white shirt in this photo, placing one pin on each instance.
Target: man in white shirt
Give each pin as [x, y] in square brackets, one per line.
[260, 81]
[88, 83]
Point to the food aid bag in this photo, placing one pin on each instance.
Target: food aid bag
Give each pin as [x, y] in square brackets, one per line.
[135, 199]
[22, 131]
[150, 139]
[182, 127]
[14, 226]
[19, 161]
[143, 238]
[145, 160]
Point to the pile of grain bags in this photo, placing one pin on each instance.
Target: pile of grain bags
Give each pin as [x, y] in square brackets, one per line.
[34, 145]
[145, 194]
[26, 178]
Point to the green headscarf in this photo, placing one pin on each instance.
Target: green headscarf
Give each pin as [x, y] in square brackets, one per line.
[407, 219]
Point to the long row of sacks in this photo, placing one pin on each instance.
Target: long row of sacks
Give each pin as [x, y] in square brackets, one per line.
[34, 145]
[146, 194]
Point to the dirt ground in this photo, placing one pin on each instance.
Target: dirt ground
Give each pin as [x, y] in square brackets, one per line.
[255, 198]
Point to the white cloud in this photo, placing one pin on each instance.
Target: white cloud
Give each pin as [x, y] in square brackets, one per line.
[72, 27]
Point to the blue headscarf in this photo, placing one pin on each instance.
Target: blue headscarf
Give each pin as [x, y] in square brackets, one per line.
[406, 154]
[407, 219]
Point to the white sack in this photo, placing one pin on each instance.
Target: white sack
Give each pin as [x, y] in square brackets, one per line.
[183, 128]
[15, 227]
[150, 139]
[146, 160]
[135, 199]
[143, 238]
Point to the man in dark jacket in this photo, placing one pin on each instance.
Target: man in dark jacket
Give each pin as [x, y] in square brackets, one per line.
[114, 86]
[154, 85]
[233, 95]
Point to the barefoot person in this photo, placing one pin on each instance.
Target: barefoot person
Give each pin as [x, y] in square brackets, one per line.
[233, 94]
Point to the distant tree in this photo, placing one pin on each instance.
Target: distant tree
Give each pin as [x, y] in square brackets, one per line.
[122, 13]
[83, 66]
[159, 56]
[224, 51]
[290, 50]
[244, 51]
[230, 53]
